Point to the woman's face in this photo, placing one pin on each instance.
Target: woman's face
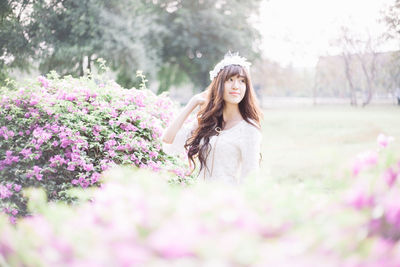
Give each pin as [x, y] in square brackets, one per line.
[234, 89]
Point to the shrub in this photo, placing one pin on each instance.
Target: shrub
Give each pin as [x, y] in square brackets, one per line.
[59, 133]
[376, 191]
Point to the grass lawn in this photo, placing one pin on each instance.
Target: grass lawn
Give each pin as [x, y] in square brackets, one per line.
[312, 147]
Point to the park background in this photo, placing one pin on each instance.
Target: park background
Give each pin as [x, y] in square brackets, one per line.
[326, 75]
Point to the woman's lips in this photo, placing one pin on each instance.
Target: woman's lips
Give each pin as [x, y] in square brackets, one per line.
[235, 94]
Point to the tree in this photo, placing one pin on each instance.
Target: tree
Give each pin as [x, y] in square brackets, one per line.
[176, 41]
[15, 47]
[392, 18]
[75, 33]
[199, 33]
[360, 54]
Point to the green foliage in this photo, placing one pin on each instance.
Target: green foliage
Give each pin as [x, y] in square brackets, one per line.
[392, 18]
[15, 46]
[176, 41]
[199, 33]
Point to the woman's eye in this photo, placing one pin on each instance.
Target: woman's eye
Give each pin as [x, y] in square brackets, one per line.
[242, 81]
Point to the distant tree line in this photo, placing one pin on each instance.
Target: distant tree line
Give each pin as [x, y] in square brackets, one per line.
[362, 70]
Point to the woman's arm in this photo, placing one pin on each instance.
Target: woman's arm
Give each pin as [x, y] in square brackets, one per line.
[170, 133]
[250, 145]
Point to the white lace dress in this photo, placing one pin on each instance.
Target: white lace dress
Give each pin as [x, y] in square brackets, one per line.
[234, 154]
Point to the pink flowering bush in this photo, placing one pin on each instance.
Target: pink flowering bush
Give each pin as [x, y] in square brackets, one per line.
[376, 194]
[61, 133]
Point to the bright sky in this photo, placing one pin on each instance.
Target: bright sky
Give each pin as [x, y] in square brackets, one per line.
[297, 32]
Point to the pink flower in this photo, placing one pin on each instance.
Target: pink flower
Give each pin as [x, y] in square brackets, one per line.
[33, 102]
[43, 81]
[13, 220]
[97, 128]
[392, 209]
[155, 166]
[17, 187]
[172, 241]
[143, 125]
[26, 152]
[83, 182]
[70, 97]
[383, 140]
[153, 154]
[36, 172]
[360, 199]
[95, 177]
[363, 161]
[88, 167]
[390, 176]
[112, 153]
[71, 167]
[5, 192]
[10, 158]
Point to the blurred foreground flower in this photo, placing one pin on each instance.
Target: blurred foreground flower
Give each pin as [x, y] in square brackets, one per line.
[383, 140]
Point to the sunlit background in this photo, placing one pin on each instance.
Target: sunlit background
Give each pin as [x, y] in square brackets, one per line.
[87, 88]
[298, 32]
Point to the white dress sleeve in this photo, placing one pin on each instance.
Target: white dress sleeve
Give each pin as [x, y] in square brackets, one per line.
[250, 147]
[177, 146]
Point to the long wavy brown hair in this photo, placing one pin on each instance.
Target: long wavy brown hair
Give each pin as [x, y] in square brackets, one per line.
[210, 114]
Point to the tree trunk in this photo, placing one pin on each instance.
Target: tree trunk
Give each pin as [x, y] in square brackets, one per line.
[369, 76]
[81, 67]
[353, 96]
[90, 63]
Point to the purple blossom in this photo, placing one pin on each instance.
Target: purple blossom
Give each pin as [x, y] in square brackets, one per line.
[5, 192]
[33, 101]
[390, 176]
[383, 140]
[17, 187]
[95, 177]
[70, 97]
[71, 166]
[57, 160]
[36, 172]
[88, 167]
[153, 154]
[43, 81]
[83, 182]
[10, 159]
[392, 209]
[364, 160]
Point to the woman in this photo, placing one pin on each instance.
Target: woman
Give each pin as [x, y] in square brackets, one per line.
[226, 138]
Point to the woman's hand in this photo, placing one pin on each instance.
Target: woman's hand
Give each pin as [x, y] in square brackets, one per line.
[173, 128]
[199, 99]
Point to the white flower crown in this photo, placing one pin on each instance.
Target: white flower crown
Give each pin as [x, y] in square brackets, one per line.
[230, 59]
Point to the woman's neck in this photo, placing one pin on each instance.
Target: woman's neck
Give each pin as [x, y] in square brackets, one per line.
[231, 112]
